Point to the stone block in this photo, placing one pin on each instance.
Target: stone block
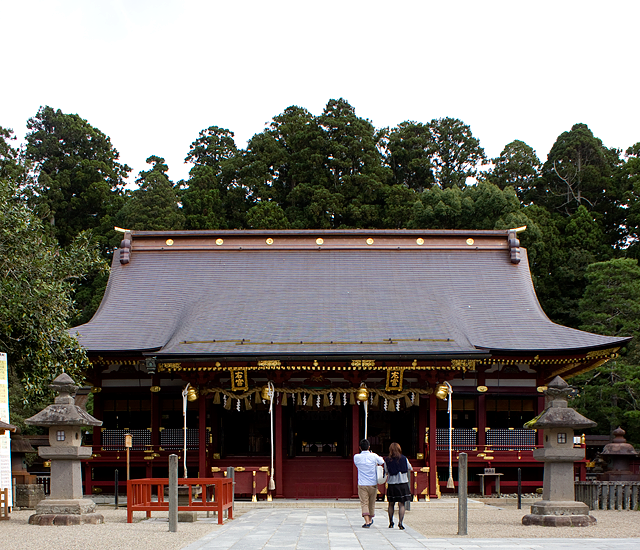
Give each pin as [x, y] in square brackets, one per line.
[66, 519]
[56, 507]
[559, 508]
[187, 517]
[28, 495]
[559, 521]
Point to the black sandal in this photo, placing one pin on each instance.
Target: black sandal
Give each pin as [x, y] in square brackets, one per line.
[400, 526]
[391, 525]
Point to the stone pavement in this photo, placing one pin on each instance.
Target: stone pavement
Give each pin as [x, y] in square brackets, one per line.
[340, 529]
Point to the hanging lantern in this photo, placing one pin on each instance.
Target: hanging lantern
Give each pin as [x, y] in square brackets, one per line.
[192, 394]
[362, 394]
[442, 391]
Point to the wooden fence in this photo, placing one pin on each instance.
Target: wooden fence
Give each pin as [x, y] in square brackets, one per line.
[609, 495]
[4, 503]
[216, 495]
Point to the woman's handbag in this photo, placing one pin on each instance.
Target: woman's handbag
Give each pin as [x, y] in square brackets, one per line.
[382, 474]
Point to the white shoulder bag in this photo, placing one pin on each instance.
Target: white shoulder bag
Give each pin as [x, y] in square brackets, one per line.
[382, 474]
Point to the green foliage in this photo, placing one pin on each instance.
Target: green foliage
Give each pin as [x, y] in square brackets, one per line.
[631, 175]
[335, 170]
[212, 200]
[517, 166]
[581, 171]
[481, 206]
[23, 405]
[36, 287]
[79, 175]
[611, 301]
[455, 154]
[610, 395]
[409, 155]
[154, 205]
[267, 215]
[442, 152]
[578, 242]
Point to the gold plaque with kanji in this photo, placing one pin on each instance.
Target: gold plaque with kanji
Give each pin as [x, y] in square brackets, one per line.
[239, 380]
[394, 379]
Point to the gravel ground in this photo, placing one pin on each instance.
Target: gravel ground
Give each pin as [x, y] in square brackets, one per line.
[503, 521]
[114, 534]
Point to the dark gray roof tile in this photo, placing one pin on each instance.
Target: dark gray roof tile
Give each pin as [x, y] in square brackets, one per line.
[428, 302]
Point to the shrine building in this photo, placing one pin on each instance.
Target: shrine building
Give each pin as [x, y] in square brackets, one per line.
[317, 316]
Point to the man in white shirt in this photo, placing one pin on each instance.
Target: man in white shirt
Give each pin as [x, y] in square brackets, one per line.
[366, 463]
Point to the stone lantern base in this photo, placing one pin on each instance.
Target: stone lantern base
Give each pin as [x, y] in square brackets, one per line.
[66, 512]
[559, 514]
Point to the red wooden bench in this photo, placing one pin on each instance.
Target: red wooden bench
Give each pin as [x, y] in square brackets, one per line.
[216, 495]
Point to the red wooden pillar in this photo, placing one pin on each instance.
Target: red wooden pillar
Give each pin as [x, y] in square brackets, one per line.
[481, 421]
[98, 412]
[279, 450]
[355, 444]
[540, 433]
[423, 421]
[88, 484]
[155, 414]
[202, 437]
[433, 465]
[155, 424]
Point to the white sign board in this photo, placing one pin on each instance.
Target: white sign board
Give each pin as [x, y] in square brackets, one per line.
[5, 440]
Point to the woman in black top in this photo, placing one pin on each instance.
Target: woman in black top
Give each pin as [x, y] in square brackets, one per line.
[398, 489]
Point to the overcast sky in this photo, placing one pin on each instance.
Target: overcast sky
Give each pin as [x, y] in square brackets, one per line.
[152, 73]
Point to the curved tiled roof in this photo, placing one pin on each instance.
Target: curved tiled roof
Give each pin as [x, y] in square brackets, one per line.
[296, 301]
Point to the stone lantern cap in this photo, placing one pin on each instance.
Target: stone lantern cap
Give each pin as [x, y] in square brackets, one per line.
[619, 445]
[558, 414]
[64, 411]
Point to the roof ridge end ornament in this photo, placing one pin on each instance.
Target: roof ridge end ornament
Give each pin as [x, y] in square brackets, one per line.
[125, 245]
[514, 244]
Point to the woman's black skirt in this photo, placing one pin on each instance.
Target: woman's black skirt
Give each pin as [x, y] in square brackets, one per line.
[398, 492]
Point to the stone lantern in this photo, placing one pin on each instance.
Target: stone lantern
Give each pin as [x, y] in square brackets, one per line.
[619, 454]
[65, 505]
[558, 506]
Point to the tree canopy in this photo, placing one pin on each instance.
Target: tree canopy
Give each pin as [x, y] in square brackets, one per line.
[67, 188]
[36, 287]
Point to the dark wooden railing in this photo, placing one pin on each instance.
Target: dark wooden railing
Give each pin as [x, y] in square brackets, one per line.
[609, 495]
[216, 495]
